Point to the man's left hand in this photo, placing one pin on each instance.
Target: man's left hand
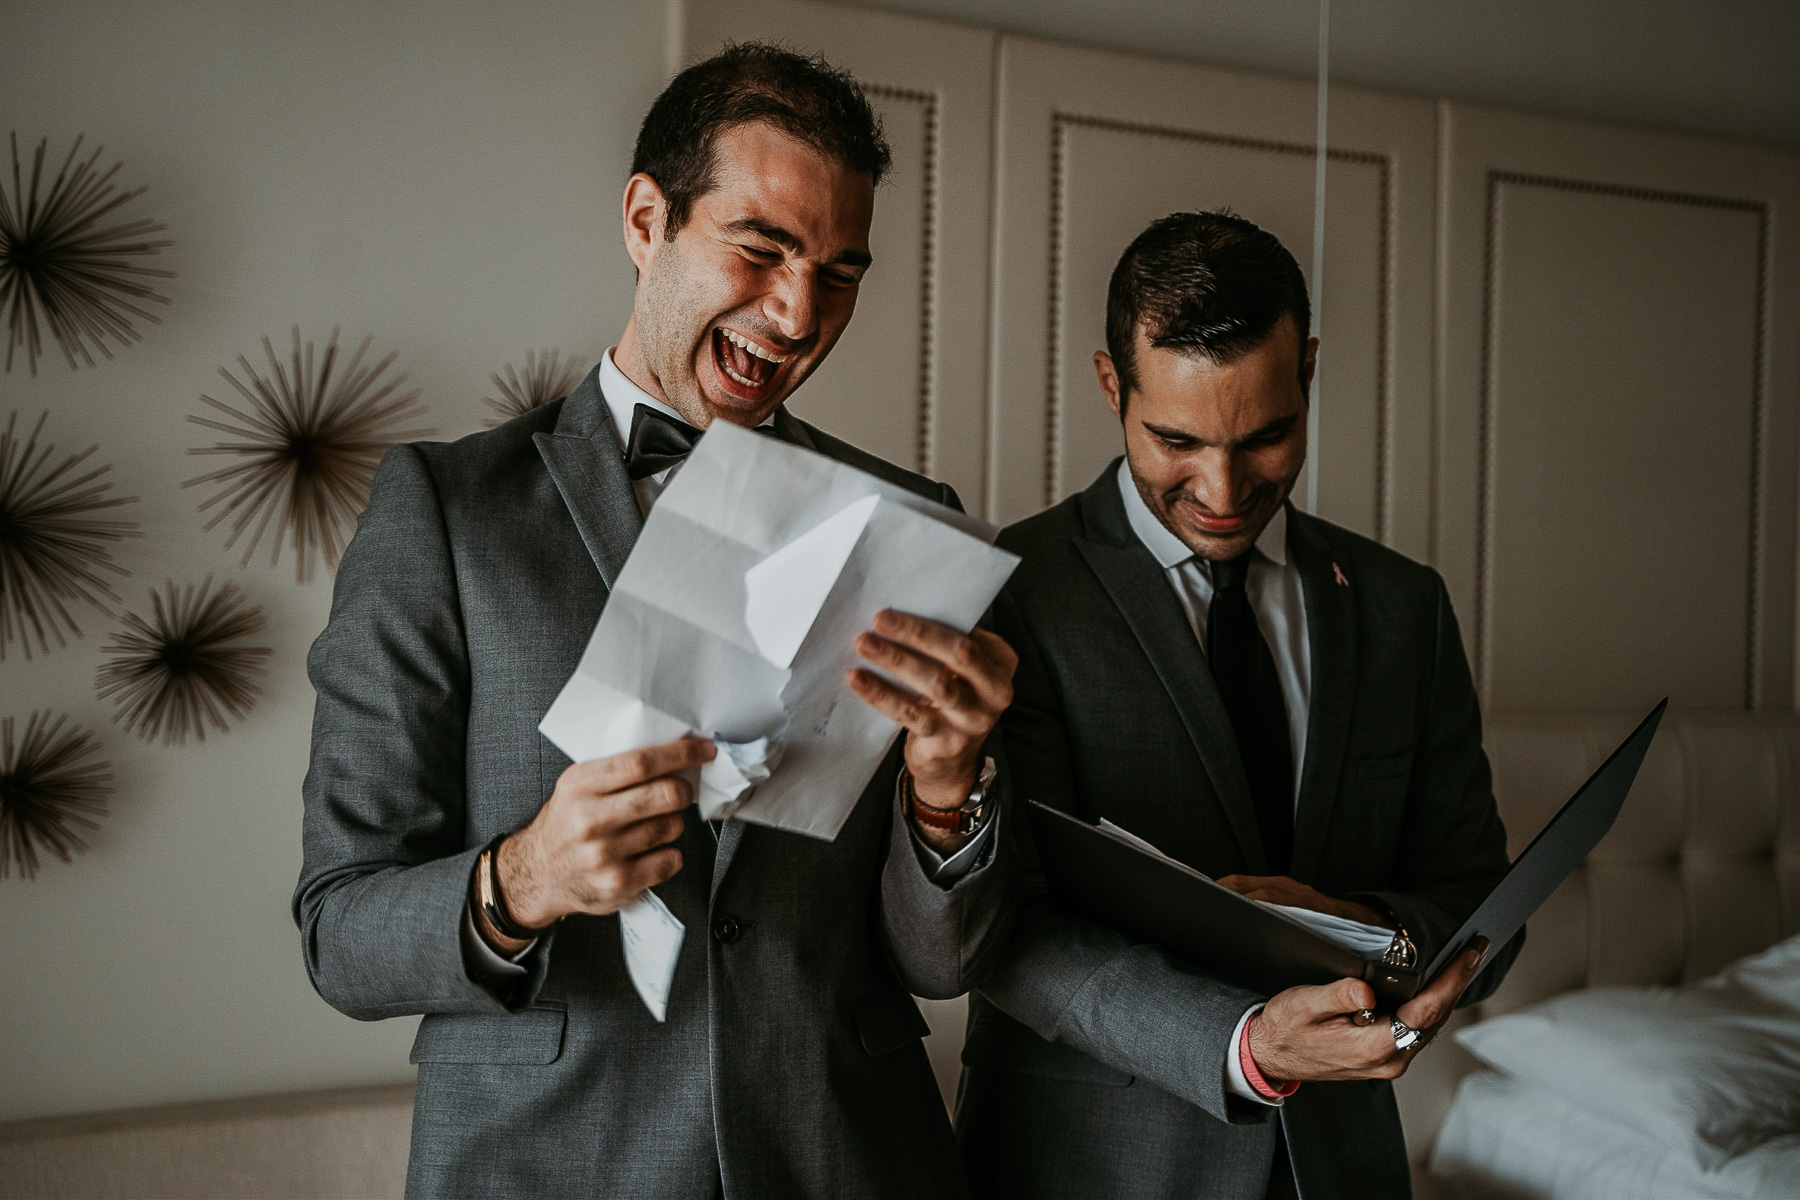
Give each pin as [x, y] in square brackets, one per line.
[1279, 889]
[960, 684]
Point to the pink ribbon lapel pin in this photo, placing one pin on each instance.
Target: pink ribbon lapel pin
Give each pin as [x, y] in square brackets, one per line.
[1339, 573]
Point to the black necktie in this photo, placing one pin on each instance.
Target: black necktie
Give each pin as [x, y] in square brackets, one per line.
[1245, 672]
[659, 441]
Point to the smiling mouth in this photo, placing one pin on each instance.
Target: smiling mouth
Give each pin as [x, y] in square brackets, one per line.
[1215, 525]
[743, 360]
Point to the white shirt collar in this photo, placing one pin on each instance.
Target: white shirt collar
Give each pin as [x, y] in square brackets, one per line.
[1169, 550]
[623, 396]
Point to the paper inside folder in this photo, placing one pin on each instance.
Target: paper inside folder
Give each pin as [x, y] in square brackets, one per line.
[1369, 941]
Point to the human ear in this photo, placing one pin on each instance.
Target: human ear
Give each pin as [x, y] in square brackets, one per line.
[1109, 381]
[645, 209]
[1311, 365]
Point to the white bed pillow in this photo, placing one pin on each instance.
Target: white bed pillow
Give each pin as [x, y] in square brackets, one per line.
[1772, 977]
[1710, 1066]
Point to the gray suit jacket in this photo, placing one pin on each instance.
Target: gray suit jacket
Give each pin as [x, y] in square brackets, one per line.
[1094, 1064]
[791, 1061]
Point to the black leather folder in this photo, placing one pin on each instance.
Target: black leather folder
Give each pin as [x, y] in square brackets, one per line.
[1160, 900]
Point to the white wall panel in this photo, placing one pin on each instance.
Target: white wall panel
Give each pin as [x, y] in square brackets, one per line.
[1618, 414]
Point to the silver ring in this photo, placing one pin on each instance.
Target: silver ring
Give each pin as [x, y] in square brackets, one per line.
[1362, 1017]
[1404, 1034]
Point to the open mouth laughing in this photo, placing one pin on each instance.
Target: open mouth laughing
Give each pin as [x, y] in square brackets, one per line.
[744, 361]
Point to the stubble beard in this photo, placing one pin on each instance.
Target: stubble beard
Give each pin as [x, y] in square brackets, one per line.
[661, 320]
[1211, 547]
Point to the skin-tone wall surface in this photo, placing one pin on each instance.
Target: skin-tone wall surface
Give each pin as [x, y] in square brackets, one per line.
[445, 179]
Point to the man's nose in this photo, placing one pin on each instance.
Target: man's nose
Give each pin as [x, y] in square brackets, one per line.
[792, 304]
[1218, 481]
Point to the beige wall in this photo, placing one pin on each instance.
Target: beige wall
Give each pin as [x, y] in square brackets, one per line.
[442, 176]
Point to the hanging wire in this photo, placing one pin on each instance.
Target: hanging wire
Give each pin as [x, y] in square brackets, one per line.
[1318, 254]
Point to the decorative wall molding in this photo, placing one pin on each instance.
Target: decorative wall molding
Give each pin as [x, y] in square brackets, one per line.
[928, 103]
[1060, 125]
[1488, 415]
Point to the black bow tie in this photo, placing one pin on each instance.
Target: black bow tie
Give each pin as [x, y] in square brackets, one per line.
[659, 441]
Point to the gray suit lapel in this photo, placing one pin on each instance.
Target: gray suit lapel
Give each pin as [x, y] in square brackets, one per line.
[583, 458]
[1331, 641]
[1142, 595]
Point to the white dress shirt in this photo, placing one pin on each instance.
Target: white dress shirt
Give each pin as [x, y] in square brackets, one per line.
[622, 398]
[1273, 585]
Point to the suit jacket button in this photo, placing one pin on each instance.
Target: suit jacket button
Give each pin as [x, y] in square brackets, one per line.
[728, 929]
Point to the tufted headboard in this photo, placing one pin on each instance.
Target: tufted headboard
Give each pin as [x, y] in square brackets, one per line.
[1702, 867]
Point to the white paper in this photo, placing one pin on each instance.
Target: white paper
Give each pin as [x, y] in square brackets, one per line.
[652, 936]
[735, 619]
[1368, 941]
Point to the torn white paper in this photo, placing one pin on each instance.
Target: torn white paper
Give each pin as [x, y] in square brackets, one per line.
[735, 618]
[652, 936]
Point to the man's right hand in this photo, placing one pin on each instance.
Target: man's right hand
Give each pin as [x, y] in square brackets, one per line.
[1306, 1034]
[602, 837]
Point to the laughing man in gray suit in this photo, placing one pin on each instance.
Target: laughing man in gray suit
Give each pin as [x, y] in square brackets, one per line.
[1269, 698]
[458, 866]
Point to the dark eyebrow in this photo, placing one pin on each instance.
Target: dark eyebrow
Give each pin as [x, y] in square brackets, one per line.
[1275, 428]
[771, 232]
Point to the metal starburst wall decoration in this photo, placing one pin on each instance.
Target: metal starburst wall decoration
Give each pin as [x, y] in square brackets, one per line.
[305, 446]
[185, 666]
[50, 791]
[54, 541]
[67, 263]
[546, 378]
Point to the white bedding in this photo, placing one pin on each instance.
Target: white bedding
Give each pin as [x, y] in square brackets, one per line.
[1504, 1138]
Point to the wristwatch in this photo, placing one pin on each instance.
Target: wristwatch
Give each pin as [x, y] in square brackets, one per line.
[487, 894]
[964, 819]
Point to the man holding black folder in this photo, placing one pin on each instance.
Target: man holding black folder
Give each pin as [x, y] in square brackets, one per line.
[1270, 699]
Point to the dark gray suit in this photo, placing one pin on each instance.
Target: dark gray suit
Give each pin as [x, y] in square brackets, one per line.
[791, 1062]
[1095, 1064]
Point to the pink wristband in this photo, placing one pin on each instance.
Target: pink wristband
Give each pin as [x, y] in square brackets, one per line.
[1254, 1077]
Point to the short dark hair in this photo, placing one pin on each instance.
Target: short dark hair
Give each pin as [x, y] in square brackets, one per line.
[804, 97]
[1210, 283]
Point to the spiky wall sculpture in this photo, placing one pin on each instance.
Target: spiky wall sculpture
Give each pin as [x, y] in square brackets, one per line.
[55, 546]
[305, 446]
[65, 267]
[545, 379]
[186, 666]
[50, 791]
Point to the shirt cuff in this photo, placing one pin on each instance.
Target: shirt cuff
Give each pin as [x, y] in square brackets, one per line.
[946, 872]
[483, 956]
[1241, 1076]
